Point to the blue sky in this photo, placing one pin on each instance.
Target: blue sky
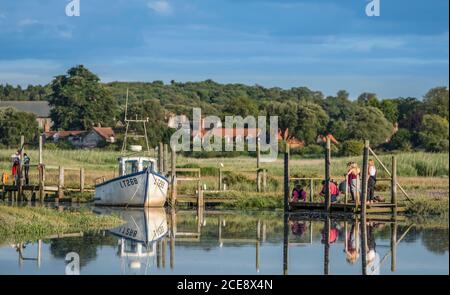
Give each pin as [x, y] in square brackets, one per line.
[325, 45]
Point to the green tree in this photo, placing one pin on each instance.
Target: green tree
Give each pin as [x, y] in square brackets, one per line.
[368, 99]
[369, 123]
[241, 106]
[13, 124]
[79, 101]
[436, 101]
[433, 134]
[389, 109]
[401, 140]
[312, 120]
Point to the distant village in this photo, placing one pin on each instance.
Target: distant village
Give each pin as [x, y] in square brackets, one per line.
[100, 136]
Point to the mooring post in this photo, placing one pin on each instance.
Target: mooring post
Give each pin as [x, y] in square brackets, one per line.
[60, 184]
[327, 175]
[173, 172]
[160, 158]
[311, 190]
[21, 168]
[200, 200]
[365, 174]
[346, 189]
[166, 158]
[286, 178]
[394, 246]
[81, 180]
[41, 169]
[158, 254]
[394, 186]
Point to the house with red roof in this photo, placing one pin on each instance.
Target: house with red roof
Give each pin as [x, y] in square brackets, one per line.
[92, 138]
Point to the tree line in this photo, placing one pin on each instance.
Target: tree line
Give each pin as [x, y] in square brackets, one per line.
[79, 100]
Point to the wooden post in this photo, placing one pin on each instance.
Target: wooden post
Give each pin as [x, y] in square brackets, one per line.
[393, 246]
[258, 180]
[160, 157]
[173, 171]
[41, 170]
[394, 186]
[346, 189]
[286, 178]
[327, 176]
[311, 190]
[200, 200]
[81, 180]
[21, 168]
[365, 178]
[41, 143]
[60, 184]
[166, 159]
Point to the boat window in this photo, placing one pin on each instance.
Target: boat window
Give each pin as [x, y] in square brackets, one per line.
[131, 166]
[146, 163]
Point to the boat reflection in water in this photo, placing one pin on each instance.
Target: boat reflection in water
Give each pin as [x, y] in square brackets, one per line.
[138, 236]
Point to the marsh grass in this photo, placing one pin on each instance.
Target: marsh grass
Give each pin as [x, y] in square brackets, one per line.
[31, 223]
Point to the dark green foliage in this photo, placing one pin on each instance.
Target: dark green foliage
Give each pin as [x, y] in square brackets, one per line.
[433, 134]
[13, 124]
[352, 148]
[79, 101]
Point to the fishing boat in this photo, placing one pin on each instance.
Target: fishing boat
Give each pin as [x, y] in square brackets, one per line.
[139, 183]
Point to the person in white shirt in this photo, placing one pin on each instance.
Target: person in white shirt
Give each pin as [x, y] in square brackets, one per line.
[372, 182]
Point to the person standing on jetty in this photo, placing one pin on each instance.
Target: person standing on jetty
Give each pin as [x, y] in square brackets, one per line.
[15, 158]
[372, 181]
[26, 167]
[352, 176]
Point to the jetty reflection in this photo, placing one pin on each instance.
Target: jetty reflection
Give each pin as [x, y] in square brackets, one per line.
[356, 235]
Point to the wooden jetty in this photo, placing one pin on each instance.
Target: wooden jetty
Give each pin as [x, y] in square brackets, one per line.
[359, 206]
[40, 188]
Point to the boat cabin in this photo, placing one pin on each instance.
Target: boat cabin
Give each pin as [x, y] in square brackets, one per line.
[130, 165]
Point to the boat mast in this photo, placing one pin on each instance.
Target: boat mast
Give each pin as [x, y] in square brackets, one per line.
[136, 120]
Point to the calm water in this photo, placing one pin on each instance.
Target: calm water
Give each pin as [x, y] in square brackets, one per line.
[212, 242]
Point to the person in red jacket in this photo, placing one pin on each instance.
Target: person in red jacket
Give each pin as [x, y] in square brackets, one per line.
[334, 191]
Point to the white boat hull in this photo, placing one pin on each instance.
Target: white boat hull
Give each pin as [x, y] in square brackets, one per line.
[142, 189]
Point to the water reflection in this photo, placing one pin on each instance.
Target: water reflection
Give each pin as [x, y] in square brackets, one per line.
[156, 241]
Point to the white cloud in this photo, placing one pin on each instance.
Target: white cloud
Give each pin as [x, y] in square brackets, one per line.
[160, 6]
[27, 22]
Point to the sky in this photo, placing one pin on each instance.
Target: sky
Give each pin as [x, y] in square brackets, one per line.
[326, 45]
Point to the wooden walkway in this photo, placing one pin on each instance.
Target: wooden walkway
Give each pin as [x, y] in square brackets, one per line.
[349, 207]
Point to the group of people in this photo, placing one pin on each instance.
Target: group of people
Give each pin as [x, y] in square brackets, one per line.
[352, 176]
[15, 169]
